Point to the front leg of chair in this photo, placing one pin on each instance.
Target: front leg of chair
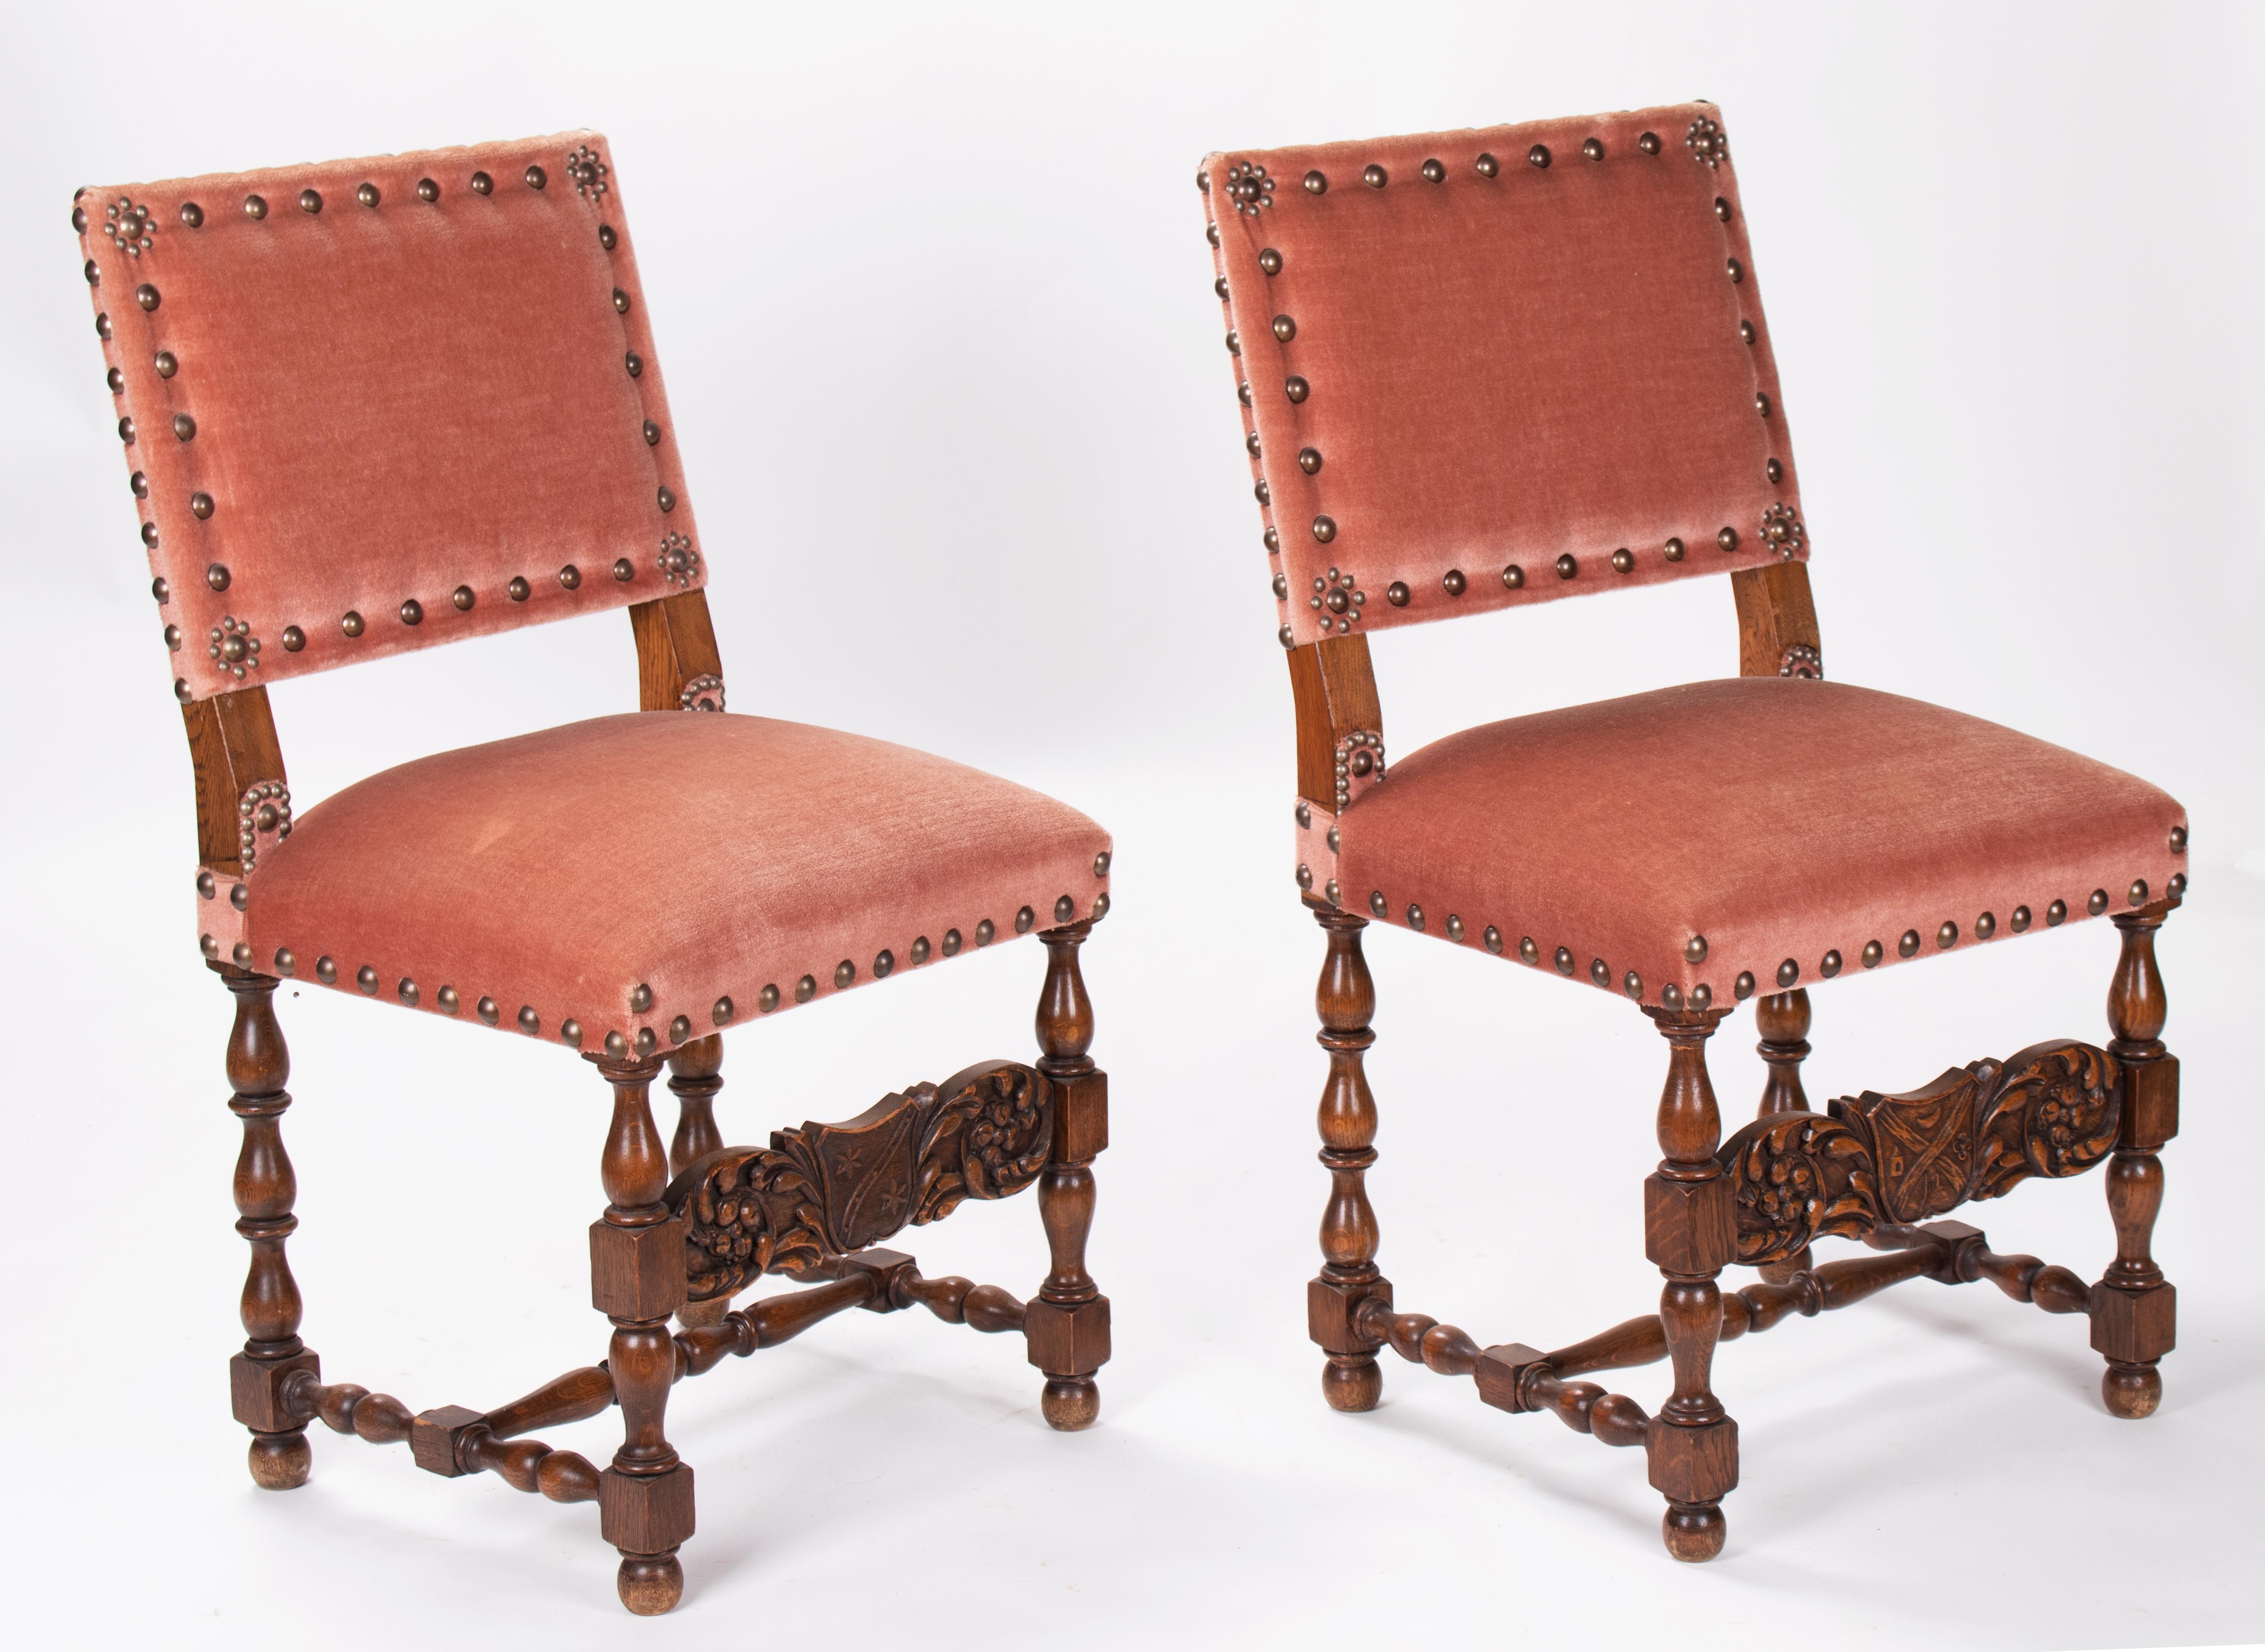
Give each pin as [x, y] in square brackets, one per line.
[260, 1377]
[1346, 998]
[1066, 1328]
[638, 1279]
[1782, 1019]
[695, 1074]
[2134, 1308]
[1690, 1234]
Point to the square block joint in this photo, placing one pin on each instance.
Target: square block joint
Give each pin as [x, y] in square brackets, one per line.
[1692, 1464]
[638, 1273]
[1081, 1107]
[646, 1514]
[1502, 1370]
[2151, 1104]
[1690, 1227]
[886, 1267]
[2134, 1326]
[433, 1438]
[256, 1390]
[1068, 1339]
[1332, 1309]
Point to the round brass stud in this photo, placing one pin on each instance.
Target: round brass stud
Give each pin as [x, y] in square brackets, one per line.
[634, 362]
[366, 978]
[1743, 988]
[1305, 814]
[147, 296]
[2019, 921]
[1735, 270]
[2177, 886]
[605, 237]
[1023, 920]
[309, 201]
[239, 897]
[185, 428]
[1325, 530]
[482, 184]
[1649, 143]
[1728, 539]
[427, 190]
[951, 943]
[1592, 148]
[1694, 949]
[207, 885]
[984, 931]
[1377, 905]
[1538, 156]
[102, 326]
[535, 180]
[1274, 541]
[254, 207]
[2098, 903]
[1414, 917]
[149, 535]
[1219, 286]
[666, 498]
[1567, 567]
[1296, 389]
[1600, 972]
[367, 193]
[463, 598]
[570, 1033]
[1761, 404]
[286, 962]
[1065, 909]
[406, 991]
[1702, 995]
[1396, 594]
[1211, 233]
[200, 506]
[1373, 177]
[1309, 461]
[806, 989]
[1564, 959]
[766, 1001]
[216, 576]
[1285, 328]
[624, 570]
[616, 1046]
[2056, 914]
[116, 381]
[1513, 577]
[1487, 165]
[1986, 926]
[173, 638]
[1269, 261]
[1287, 637]
[1623, 561]
[1433, 173]
[78, 217]
[640, 998]
[413, 612]
[240, 954]
[1946, 936]
[919, 950]
[1775, 470]
[2178, 840]
[447, 1000]
[193, 214]
[1315, 184]
[681, 1028]
[1332, 841]
[652, 433]
[1452, 582]
[1264, 494]
[326, 971]
[1242, 392]
[1455, 927]
[571, 577]
[1670, 996]
[138, 484]
[2138, 893]
[1907, 946]
[1527, 951]
[1282, 586]
[519, 590]
[645, 1041]
[1831, 965]
[1492, 938]
[93, 272]
[1632, 983]
[1788, 973]
[1746, 331]
[1250, 443]
[488, 1011]
[621, 301]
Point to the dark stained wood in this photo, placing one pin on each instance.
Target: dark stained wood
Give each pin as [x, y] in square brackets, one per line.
[1782, 1019]
[696, 1073]
[232, 748]
[1775, 615]
[1335, 691]
[675, 644]
[1346, 999]
[1066, 1326]
[2134, 1309]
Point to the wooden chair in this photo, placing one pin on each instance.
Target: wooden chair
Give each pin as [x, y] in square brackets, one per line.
[1486, 369]
[377, 405]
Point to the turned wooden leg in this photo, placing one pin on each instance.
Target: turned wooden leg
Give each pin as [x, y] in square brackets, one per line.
[695, 1074]
[637, 1280]
[1066, 1327]
[1346, 998]
[1689, 1232]
[258, 1066]
[2134, 1308]
[1782, 1019]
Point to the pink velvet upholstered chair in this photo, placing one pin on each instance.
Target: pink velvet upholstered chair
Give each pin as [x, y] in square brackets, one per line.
[1485, 369]
[377, 405]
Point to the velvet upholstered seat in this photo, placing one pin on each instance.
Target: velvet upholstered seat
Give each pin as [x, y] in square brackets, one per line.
[1497, 368]
[523, 882]
[1689, 843]
[373, 406]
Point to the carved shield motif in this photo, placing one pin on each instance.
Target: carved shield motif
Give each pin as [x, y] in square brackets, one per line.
[1923, 1141]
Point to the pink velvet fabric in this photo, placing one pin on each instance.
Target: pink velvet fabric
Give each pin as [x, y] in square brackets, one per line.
[1494, 372]
[1783, 819]
[410, 402]
[705, 857]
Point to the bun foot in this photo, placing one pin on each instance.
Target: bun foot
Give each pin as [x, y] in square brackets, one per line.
[281, 1462]
[1351, 1382]
[2131, 1392]
[1070, 1403]
[650, 1584]
[1693, 1531]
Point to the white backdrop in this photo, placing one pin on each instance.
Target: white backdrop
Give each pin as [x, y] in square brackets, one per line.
[936, 314]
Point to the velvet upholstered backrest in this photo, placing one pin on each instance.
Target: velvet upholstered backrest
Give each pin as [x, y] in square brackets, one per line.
[1487, 368]
[373, 405]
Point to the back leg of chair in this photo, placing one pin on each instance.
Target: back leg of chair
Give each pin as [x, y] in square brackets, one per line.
[695, 1074]
[1782, 1019]
[2134, 1308]
[266, 1187]
[1346, 999]
[1066, 1327]
[1689, 1234]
